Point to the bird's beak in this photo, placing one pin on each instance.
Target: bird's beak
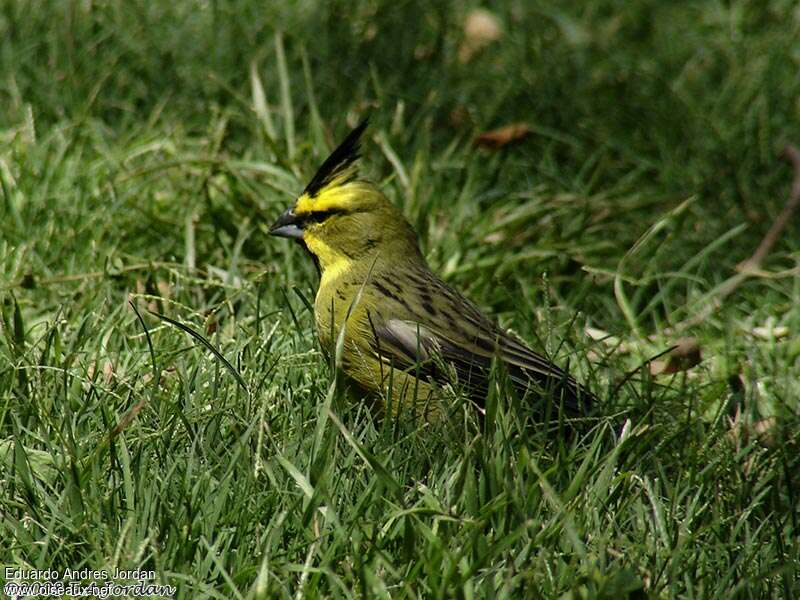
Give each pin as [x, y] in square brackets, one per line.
[287, 225]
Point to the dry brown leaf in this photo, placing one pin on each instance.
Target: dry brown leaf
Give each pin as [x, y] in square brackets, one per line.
[481, 28]
[503, 136]
[683, 357]
[129, 417]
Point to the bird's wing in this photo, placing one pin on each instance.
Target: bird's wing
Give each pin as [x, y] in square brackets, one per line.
[416, 348]
[468, 351]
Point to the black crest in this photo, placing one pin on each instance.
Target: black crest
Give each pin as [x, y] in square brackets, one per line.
[338, 162]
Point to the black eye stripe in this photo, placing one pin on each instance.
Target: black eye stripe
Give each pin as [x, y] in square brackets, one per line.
[318, 216]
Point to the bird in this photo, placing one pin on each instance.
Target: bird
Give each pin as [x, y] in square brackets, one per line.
[403, 334]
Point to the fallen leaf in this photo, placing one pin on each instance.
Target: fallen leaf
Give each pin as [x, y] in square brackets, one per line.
[481, 28]
[129, 416]
[498, 138]
[685, 355]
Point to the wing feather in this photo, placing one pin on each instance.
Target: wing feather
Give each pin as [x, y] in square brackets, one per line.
[408, 344]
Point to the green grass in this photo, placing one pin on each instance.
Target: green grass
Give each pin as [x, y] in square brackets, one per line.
[144, 149]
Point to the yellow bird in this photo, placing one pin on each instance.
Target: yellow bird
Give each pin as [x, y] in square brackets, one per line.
[406, 333]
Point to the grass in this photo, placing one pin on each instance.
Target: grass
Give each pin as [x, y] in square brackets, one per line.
[145, 148]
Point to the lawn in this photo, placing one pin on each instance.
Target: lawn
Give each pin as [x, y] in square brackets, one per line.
[145, 148]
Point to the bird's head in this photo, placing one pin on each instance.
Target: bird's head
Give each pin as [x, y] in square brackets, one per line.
[341, 218]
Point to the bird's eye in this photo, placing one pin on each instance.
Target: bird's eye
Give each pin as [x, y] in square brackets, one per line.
[318, 216]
